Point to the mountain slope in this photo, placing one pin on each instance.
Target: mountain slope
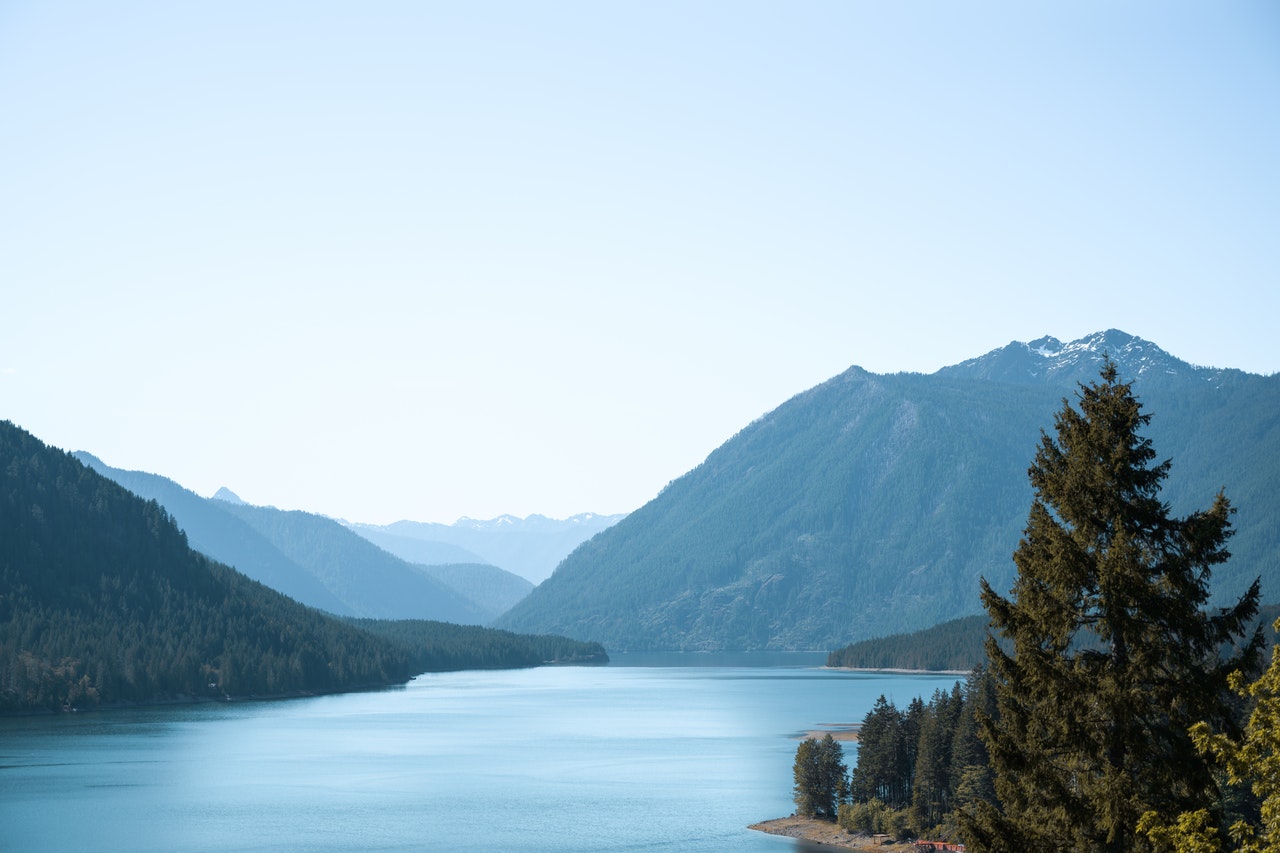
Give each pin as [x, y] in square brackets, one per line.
[103, 601]
[871, 504]
[224, 537]
[313, 559]
[492, 590]
[367, 579]
[422, 552]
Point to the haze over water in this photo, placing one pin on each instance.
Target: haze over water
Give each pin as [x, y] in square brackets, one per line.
[555, 759]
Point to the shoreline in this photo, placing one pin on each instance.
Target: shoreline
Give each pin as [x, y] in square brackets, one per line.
[893, 670]
[823, 832]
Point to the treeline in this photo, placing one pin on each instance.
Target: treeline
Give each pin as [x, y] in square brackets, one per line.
[957, 645]
[953, 645]
[917, 765]
[102, 602]
[441, 646]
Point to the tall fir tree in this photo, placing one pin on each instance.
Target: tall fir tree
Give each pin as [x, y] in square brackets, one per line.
[931, 791]
[882, 772]
[820, 776]
[1112, 654]
[1251, 758]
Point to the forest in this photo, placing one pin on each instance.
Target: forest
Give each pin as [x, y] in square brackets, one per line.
[1115, 710]
[102, 602]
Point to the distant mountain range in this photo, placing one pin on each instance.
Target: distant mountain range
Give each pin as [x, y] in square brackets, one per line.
[530, 547]
[313, 559]
[871, 504]
[401, 571]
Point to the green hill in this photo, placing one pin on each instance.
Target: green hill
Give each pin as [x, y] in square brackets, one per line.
[958, 644]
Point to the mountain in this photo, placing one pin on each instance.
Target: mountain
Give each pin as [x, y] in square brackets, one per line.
[103, 601]
[313, 559]
[1048, 361]
[225, 494]
[492, 590]
[423, 552]
[871, 504]
[530, 547]
[216, 533]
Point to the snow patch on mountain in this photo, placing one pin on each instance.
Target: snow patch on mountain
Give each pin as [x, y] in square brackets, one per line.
[1049, 360]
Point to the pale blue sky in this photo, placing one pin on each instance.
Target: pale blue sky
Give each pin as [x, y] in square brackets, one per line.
[422, 260]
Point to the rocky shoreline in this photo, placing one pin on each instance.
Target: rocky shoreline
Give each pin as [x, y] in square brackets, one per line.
[822, 832]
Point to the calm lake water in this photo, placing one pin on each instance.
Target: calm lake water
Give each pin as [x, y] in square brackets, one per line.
[632, 756]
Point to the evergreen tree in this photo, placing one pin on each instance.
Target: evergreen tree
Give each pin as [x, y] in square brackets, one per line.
[1113, 658]
[931, 792]
[880, 773]
[1251, 759]
[820, 777]
[970, 766]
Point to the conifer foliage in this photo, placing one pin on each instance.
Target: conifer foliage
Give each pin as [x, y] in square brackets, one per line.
[1112, 655]
[821, 783]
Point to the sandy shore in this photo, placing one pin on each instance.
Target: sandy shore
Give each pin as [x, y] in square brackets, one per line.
[822, 832]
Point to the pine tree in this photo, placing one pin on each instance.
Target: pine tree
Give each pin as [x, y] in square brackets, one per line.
[1253, 759]
[880, 773]
[1112, 657]
[931, 792]
[820, 777]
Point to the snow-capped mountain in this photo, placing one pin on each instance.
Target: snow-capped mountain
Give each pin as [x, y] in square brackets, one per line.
[1048, 360]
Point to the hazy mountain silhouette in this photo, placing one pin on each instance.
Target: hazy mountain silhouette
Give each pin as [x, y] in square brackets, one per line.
[310, 558]
[530, 547]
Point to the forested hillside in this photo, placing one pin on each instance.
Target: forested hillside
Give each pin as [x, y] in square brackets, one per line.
[956, 645]
[492, 590]
[371, 582]
[102, 601]
[218, 534]
[441, 647]
[872, 504]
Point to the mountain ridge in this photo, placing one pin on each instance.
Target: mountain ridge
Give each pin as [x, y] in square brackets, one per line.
[871, 504]
[1047, 360]
[529, 547]
[309, 557]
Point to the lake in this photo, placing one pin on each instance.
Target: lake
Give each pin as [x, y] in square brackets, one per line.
[630, 756]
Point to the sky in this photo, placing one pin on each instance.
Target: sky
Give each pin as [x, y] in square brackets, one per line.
[425, 260]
